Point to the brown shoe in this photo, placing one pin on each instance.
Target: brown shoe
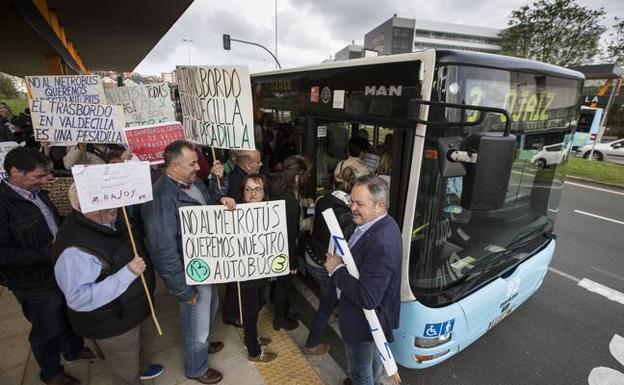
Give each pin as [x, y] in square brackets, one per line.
[214, 347]
[264, 341]
[85, 354]
[210, 377]
[264, 357]
[317, 350]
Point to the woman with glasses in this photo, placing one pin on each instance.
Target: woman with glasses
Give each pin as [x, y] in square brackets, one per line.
[253, 191]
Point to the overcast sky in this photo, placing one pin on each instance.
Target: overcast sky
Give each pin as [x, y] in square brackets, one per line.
[310, 31]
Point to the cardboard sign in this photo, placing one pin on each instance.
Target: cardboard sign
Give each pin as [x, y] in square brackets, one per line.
[5, 147]
[70, 123]
[217, 106]
[149, 142]
[144, 104]
[107, 186]
[221, 245]
[67, 88]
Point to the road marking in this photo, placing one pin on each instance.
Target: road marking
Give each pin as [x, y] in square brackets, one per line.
[607, 376]
[592, 286]
[602, 290]
[566, 275]
[599, 217]
[595, 188]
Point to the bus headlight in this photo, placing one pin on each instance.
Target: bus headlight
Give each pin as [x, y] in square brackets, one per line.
[432, 342]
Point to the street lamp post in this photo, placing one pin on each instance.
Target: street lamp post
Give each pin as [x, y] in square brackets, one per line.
[226, 46]
[188, 49]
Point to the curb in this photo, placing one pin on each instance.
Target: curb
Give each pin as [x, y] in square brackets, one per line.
[594, 183]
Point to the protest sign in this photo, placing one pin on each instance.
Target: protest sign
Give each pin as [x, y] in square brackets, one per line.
[143, 104]
[149, 142]
[67, 88]
[70, 123]
[106, 186]
[217, 106]
[5, 147]
[221, 245]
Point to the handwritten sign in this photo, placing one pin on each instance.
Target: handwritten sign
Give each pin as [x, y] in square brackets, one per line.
[5, 147]
[222, 245]
[70, 123]
[71, 88]
[149, 142]
[217, 106]
[143, 104]
[106, 186]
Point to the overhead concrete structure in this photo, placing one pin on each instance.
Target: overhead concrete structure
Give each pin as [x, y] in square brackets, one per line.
[71, 37]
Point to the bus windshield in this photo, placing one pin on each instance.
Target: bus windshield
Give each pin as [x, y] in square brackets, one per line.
[454, 251]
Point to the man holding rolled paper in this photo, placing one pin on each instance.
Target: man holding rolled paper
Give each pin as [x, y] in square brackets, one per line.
[377, 252]
[179, 187]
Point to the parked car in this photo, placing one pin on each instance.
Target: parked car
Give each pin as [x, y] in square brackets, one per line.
[609, 151]
[549, 155]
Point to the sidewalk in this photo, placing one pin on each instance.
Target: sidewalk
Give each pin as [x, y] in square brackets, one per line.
[17, 366]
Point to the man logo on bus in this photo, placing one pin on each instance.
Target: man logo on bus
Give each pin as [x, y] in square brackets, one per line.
[383, 90]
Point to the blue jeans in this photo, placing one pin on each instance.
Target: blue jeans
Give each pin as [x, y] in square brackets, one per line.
[328, 298]
[196, 321]
[364, 363]
[51, 333]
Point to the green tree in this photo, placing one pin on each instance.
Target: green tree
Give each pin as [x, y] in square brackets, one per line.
[615, 45]
[554, 31]
[7, 88]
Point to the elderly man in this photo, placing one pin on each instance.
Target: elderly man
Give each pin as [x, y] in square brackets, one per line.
[97, 271]
[179, 187]
[246, 162]
[376, 249]
[28, 224]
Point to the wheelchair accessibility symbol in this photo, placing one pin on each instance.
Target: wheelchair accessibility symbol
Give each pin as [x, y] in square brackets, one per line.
[439, 329]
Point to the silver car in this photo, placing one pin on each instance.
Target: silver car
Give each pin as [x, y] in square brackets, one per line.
[609, 151]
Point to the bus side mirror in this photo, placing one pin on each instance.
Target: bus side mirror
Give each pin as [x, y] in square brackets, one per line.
[486, 180]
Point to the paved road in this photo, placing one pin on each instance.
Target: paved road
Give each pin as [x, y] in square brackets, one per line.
[563, 332]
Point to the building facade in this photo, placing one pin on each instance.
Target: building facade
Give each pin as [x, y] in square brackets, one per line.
[401, 35]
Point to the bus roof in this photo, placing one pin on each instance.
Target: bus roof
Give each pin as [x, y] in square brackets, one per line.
[443, 56]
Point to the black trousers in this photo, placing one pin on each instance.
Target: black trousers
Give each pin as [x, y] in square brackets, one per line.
[51, 334]
[251, 301]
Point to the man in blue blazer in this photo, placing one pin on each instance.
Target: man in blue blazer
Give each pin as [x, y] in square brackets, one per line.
[377, 252]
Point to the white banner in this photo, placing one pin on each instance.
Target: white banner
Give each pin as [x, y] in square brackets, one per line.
[338, 245]
[220, 245]
[217, 106]
[5, 147]
[67, 88]
[106, 186]
[71, 123]
[144, 104]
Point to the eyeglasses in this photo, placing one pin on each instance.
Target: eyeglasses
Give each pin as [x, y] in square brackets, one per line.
[254, 190]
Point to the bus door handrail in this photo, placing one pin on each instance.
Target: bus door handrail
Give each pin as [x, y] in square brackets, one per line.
[464, 107]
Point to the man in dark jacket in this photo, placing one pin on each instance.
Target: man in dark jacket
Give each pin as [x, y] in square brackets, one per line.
[376, 249]
[96, 269]
[28, 224]
[179, 187]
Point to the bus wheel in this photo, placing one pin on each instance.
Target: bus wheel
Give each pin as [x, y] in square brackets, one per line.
[541, 164]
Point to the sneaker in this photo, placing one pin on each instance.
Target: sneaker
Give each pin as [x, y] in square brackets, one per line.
[264, 357]
[284, 323]
[153, 371]
[264, 341]
[317, 350]
[85, 354]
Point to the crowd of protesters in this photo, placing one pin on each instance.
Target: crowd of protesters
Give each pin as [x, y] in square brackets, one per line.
[76, 277]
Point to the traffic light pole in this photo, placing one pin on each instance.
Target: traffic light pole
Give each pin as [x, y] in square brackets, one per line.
[226, 46]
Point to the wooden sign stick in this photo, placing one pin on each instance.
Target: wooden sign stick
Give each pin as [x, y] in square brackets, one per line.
[214, 159]
[147, 293]
[240, 303]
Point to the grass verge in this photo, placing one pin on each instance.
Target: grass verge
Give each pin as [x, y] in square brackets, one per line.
[602, 172]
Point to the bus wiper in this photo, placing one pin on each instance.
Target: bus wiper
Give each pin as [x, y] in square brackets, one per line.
[471, 278]
[529, 235]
